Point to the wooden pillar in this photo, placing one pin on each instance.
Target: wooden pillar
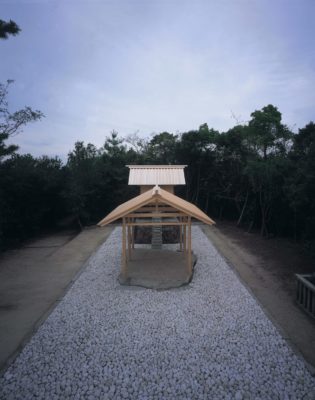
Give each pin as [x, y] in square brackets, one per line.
[133, 235]
[180, 234]
[189, 258]
[129, 239]
[185, 238]
[123, 255]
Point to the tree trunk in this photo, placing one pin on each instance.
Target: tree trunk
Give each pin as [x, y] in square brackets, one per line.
[295, 223]
[221, 212]
[243, 210]
[262, 213]
[263, 228]
[250, 226]
[264, 210]
[207, 202]
[79, 223]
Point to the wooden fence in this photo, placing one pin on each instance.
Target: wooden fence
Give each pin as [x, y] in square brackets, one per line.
[305, 294]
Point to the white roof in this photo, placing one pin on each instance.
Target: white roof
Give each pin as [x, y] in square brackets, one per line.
[156, 175]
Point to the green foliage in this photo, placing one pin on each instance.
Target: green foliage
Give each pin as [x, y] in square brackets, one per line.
[266, 133]
[196, 149]
[96, 179]
[8, 28]
[300, 182]
[29, 197]
[11, 123]
[19, 177]
[259, 174]
[80, 184]
[161, 148]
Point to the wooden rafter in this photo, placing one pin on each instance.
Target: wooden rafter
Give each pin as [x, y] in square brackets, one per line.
[169, 223]
[156, 215]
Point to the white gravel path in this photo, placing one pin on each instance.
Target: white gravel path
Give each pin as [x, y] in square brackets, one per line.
[208, 340]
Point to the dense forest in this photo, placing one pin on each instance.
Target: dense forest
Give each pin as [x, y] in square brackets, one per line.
[258, 174]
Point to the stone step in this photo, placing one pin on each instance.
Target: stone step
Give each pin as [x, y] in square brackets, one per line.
[157, 241]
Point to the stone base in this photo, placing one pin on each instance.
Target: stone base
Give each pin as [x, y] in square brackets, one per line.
[157, 269]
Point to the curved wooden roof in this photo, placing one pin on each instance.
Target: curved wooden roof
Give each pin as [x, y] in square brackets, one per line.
[151, 196]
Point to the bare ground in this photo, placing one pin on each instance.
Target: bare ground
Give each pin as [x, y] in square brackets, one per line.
[268, 268]
[35, 277]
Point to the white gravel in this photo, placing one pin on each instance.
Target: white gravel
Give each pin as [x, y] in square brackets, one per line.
[208, 340]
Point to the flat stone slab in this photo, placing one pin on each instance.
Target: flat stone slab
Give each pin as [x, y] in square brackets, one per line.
[157, 269]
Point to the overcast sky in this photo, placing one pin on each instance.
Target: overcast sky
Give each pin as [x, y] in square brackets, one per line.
[155, 65]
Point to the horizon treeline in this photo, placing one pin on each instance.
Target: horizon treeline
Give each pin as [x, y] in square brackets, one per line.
[258, 174]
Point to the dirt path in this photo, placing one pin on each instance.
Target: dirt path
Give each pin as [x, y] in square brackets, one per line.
[34, 278]
[267, 267]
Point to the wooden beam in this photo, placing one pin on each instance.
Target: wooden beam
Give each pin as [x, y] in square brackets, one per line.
[123, 255]
[155, 215]
[129, 240]
[132, 236]
[161, 208]
[170, 223]
[189, 247]
[180, 235]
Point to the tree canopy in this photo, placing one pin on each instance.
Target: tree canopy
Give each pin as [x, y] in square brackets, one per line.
[258, 174]
[8, 28]
[11, 123]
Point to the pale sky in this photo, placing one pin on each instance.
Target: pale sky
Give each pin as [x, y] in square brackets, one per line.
[151, 66]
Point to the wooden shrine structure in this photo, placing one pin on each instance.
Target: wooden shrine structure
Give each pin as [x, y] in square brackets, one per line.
[156, 207]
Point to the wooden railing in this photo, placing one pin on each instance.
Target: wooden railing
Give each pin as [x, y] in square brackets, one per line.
[305, 294]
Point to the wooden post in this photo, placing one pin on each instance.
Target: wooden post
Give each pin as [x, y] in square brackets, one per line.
[123, 255]
[133, 235]
[129, 240]
[189, 247]
[180, 235]
[185, 240]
